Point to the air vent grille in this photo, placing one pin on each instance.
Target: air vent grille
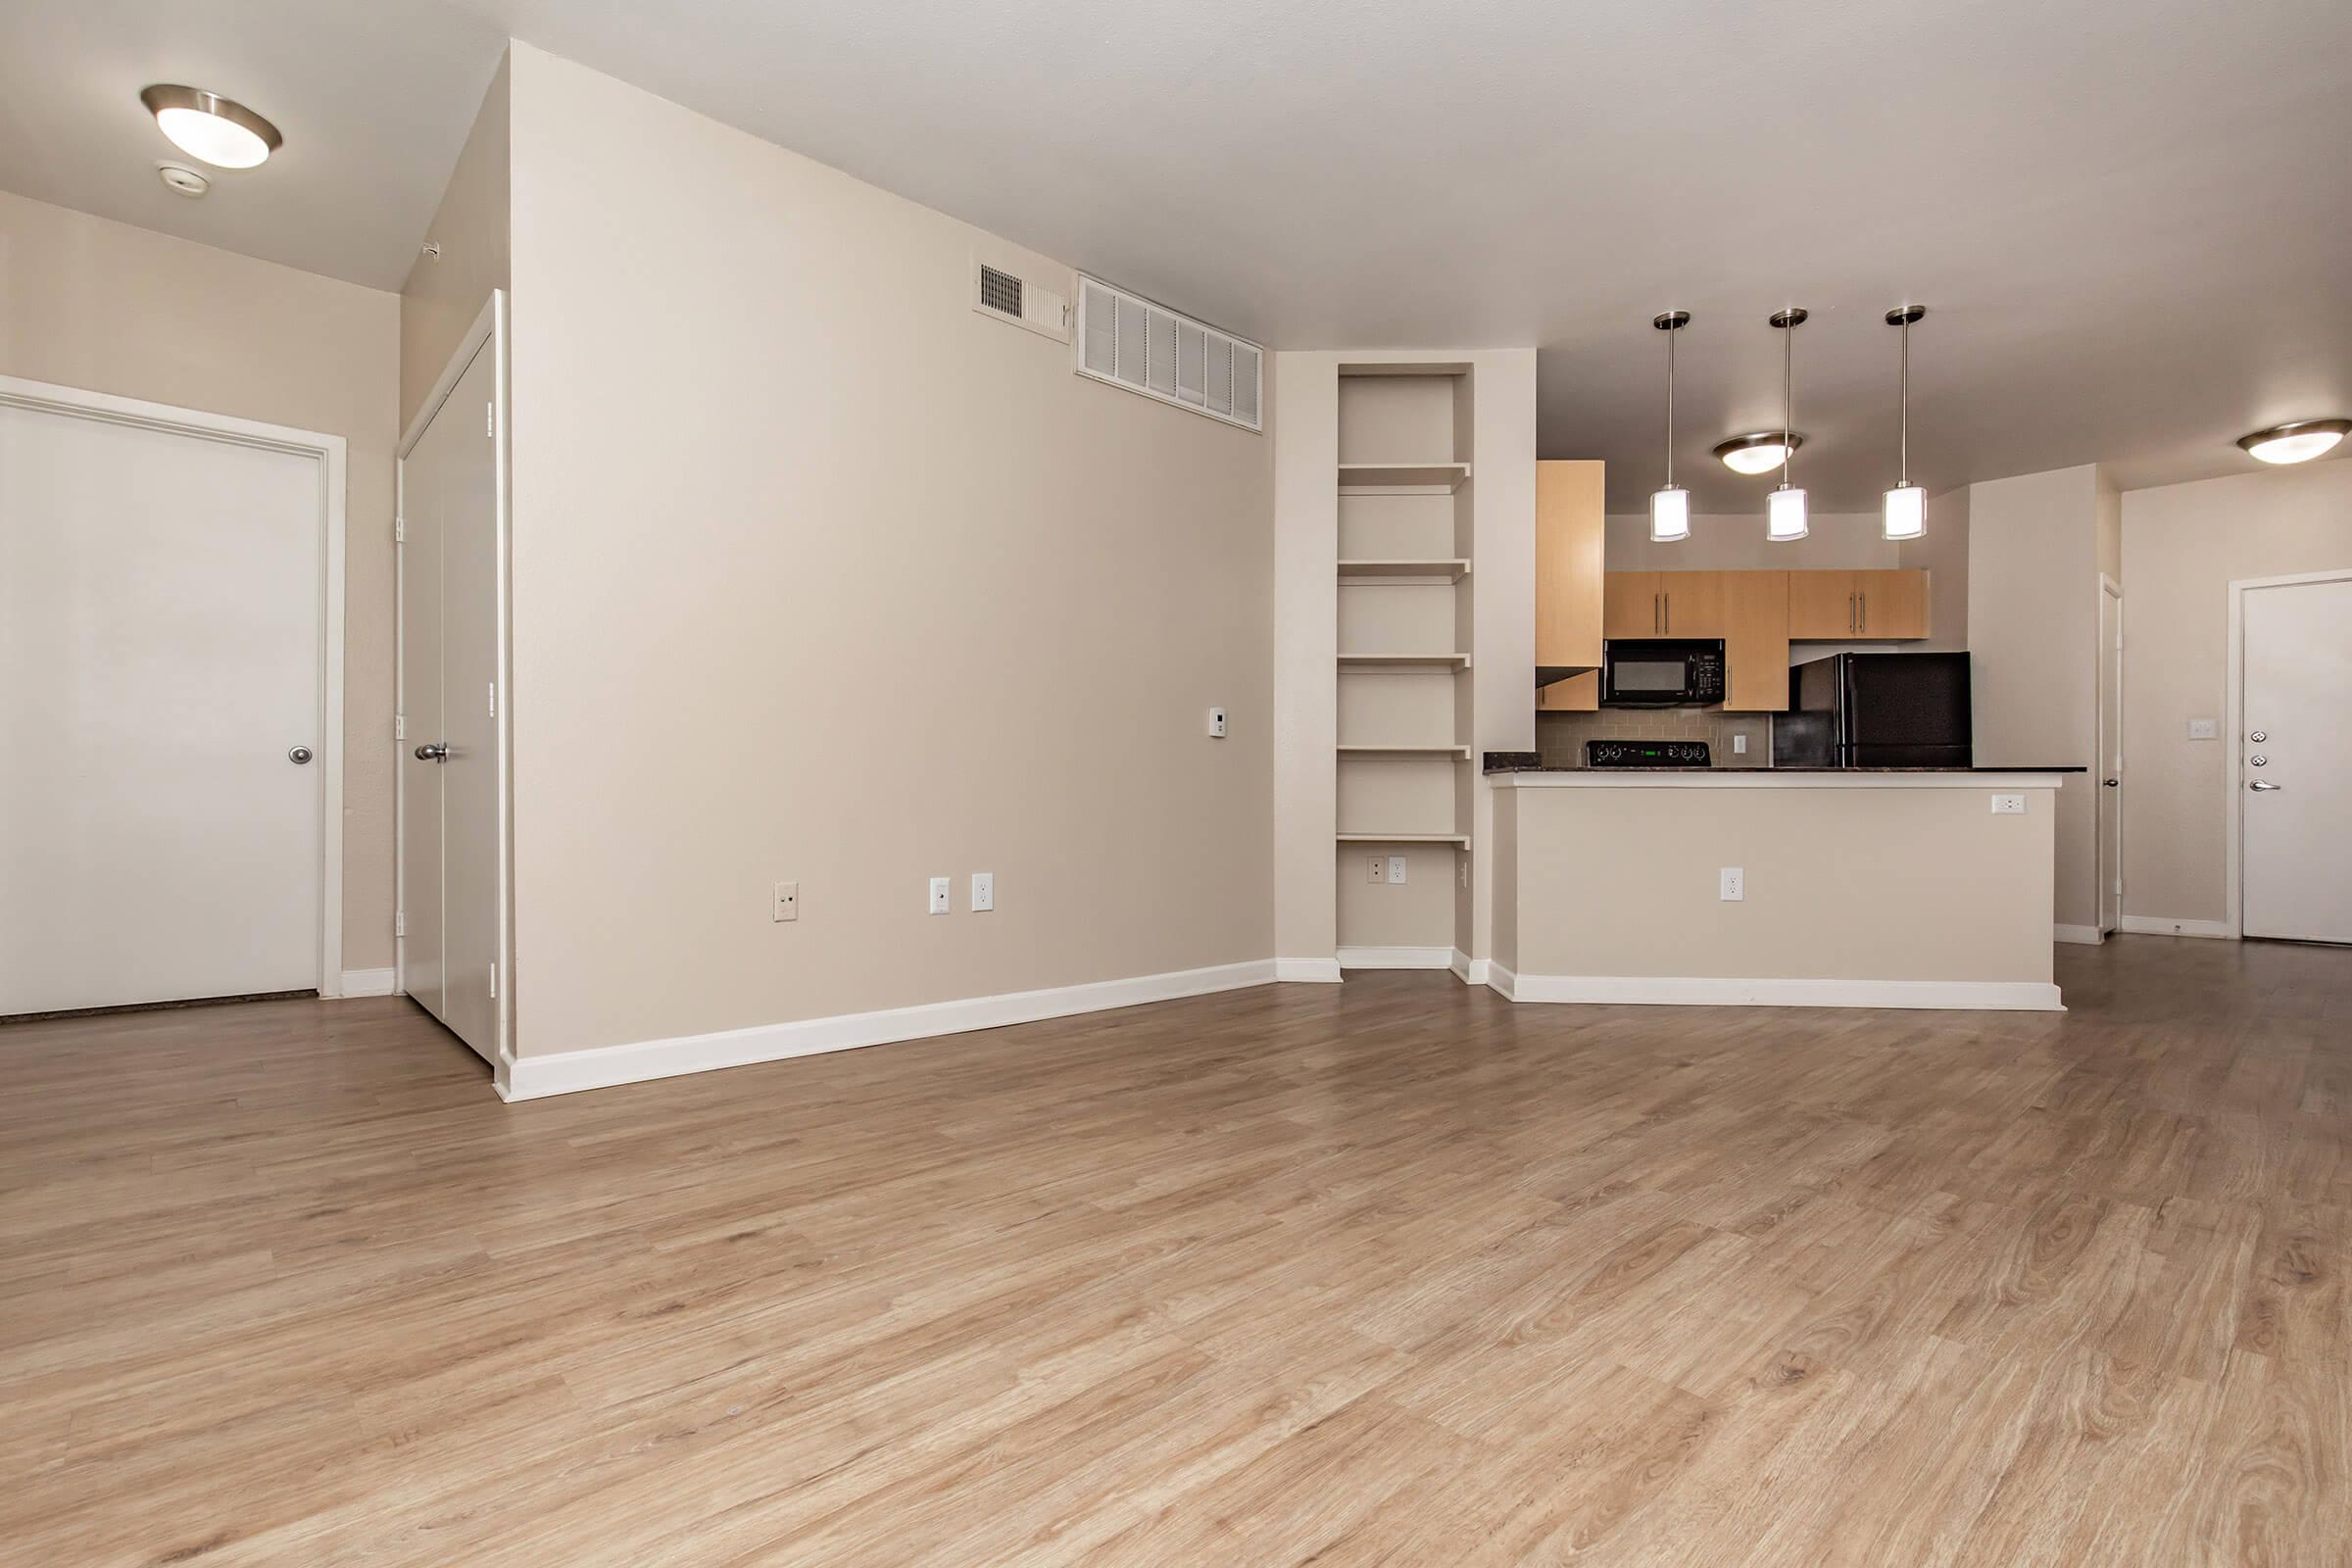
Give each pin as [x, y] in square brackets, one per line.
[1001, 291]
[1133, 343]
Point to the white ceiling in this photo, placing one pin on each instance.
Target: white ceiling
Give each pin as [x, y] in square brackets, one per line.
[2130, 223]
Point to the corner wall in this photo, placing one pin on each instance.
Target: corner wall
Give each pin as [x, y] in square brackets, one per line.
[822, 575]
[445, 293]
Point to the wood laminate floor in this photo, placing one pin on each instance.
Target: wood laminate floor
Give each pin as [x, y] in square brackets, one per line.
[1393, 1272]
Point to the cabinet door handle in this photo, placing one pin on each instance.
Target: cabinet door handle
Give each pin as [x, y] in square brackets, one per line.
[1668, 601]
[1863, 625]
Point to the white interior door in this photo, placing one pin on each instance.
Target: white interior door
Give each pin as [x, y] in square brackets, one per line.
[2110, 755]
[160, 640]
[451, 791]
[2295, 810]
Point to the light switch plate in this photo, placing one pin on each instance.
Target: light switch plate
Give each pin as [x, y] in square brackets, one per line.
[1395, 870]
[1738, 746]
[2204, 729]
[984, 892]
[2008, 805]
[939, 894]
[788, 902]
[1216, 724]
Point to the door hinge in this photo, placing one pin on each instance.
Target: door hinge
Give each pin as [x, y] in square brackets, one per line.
[493, 698]
[400, 922]
[400, 530]
[490, 420]
[494, 981]
[400, 726]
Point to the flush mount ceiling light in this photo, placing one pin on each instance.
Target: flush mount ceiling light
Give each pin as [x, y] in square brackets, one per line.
[1760, 453]
[1906, 503]
[2298, 442]
[207, 126]
[1670, 505]
[1785, 508]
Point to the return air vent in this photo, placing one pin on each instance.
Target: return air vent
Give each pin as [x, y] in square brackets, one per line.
[1133, 343]
[1020, 301]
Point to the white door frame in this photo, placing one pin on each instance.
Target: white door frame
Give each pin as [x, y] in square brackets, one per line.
[328, 450]
[2234, 870]
[489, 328]
[2108, 588]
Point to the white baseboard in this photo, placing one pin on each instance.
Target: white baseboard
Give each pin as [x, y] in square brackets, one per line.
[569, 1071]
[1396, 958]
[1470, 971]
[368, 982]
[1679, 991]
[1312, 971]
[2156, 925]
[2090, 936]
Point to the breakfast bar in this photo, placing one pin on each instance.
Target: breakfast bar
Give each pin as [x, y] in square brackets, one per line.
[1796, 887]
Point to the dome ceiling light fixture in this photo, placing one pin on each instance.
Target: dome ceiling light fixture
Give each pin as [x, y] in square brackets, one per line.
[1906, 503]
[1670, 505]
[1785, 518]
[1760, 453]
[2298, 441]
[211, 128]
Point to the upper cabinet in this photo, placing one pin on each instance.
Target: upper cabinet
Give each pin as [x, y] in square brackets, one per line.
[1755, 641]
[1569, 533]
[1857, 605]
[1663, 603]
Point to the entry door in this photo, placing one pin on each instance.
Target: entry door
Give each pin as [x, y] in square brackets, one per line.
[161, 704]
[2296, 746]
[449, 749]
[2111, 756]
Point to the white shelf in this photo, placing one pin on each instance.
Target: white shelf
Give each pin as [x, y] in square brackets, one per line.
[1460, 839]
[1461, 752]
[1406, 661]
[1449, 571]
[1445, 476]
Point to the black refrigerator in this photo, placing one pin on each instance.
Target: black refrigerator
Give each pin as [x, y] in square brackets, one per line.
[1876, 711]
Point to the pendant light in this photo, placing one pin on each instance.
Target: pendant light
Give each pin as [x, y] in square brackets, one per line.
[1670, 505]
[1906, 503]
[1785, 508]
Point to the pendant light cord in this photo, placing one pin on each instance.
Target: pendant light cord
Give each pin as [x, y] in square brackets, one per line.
[1906, 460]
[1669, 407]
[1788, 399]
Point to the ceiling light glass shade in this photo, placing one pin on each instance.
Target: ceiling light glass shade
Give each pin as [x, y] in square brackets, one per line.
[1669, 515]
[207, 126]
[2299, 442]
[1756, 453]
[1784, 515]
[1906, 512]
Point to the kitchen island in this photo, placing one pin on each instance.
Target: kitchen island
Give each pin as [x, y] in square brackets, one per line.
[1858, 887]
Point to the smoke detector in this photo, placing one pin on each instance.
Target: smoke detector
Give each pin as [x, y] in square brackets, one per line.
[183, 180]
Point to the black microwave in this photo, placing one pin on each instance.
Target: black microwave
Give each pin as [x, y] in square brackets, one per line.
[1661, 672]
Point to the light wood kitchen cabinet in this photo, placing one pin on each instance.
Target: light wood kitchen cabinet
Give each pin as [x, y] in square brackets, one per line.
[1755, 641]
[1629, 604]
[1690, 602]
[1577, 694]
[1857, 605]
[1570, 527]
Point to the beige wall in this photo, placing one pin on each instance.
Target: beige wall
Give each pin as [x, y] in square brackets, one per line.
[1943, 554]
[1893, 883]
[1307, 631]
[2032, 639]
[1736, 542]
[107, 307]
[444, 293]
[820, 574]
[2183, 545]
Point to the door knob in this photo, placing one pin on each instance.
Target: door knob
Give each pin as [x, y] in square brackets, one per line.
[298, 754]
[433, 752]
[2265, 784]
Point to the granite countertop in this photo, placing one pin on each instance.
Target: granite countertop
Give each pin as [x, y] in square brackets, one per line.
[1531, 762]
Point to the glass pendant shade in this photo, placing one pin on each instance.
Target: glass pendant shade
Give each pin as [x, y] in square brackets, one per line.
[1669, 515]
[1784, 515]
[1906, 512]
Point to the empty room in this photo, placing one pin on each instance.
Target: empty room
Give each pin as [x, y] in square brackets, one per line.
[1225, 785]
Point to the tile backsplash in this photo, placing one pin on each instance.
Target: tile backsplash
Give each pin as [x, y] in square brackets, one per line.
[1561, 737]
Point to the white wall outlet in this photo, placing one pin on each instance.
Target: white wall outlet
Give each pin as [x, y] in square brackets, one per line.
[939, 894]
[1379, 870]
[1397, 870]
[2204, 729]
[1735, 884]
[1738, 746]
[1216, 724]
[984, 892]
[788, 902]
[2008, 805]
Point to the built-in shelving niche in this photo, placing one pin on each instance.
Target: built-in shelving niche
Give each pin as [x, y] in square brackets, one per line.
[1405, 478]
